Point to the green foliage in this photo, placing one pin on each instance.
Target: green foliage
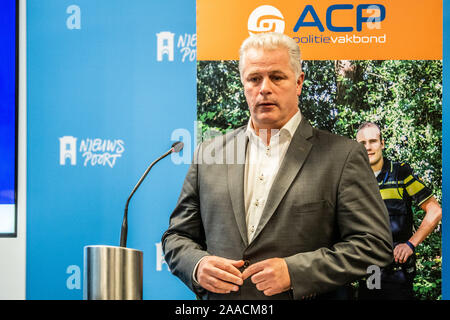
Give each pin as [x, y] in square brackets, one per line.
[428, 280]
[403, 97]
[220, 98]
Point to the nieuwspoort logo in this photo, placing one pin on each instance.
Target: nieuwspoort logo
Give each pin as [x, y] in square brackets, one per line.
[186, 45]
[94, 152]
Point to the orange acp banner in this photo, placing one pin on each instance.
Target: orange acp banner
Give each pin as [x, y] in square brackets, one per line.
[326, 29]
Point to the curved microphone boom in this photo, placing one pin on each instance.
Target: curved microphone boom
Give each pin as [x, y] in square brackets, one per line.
[176, 147]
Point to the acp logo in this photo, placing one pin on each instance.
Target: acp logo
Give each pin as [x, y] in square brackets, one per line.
[370, 14]
[265, 19]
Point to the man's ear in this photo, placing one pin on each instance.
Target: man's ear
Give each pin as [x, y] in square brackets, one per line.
[300, 80]
[382, 144]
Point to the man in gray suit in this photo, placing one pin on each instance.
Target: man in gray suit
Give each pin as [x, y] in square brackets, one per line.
[276, 209]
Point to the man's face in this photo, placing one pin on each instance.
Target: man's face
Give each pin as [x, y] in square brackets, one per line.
[270, 87]
[370, 138]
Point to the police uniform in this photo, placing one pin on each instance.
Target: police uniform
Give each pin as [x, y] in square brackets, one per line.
[399, 188]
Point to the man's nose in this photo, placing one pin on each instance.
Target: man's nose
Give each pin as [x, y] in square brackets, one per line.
[266, 86]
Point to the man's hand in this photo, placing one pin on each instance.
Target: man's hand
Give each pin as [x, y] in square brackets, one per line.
[402, 252]
[270, 276]
[219, 275]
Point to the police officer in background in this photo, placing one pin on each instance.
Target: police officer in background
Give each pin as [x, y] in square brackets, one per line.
[399, 187]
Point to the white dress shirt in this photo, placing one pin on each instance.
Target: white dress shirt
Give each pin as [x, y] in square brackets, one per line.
[261, 167]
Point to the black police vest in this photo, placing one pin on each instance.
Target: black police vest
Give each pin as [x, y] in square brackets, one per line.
[399, 187]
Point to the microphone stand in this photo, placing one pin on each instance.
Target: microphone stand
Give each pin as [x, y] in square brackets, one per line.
[116, 273]
[124, 230]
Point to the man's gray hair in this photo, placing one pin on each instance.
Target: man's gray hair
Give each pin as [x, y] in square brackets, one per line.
[272, 41]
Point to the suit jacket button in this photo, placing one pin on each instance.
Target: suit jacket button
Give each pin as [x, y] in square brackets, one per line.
[246, 263]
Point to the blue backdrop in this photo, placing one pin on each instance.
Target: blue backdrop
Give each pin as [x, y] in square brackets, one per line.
[103, 104]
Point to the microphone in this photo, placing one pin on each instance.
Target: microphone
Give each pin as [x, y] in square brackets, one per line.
[176, 147]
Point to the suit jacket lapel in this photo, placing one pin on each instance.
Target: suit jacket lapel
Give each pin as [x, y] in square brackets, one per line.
[294, 159]
[236, 183]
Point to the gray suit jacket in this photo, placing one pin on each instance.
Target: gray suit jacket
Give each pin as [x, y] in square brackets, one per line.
[324, 214]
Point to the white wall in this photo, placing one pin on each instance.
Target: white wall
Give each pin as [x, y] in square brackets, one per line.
[13, 250]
